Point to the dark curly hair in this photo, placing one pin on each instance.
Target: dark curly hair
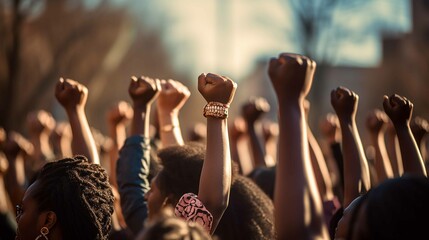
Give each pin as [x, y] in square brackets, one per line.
[249, 214]
[80, 195]
[181, 170]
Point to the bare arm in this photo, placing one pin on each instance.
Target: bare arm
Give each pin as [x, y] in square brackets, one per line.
[40, 124]
[252, 111]
[297, 201]
[171, 99]
[399, 109]
[215, 180]
[376, 125]
[72, 96]
[117, 119]
[16, 148]
[420, 128]
[393, 150]
[356, 171]
[270, 131]
[238, 147]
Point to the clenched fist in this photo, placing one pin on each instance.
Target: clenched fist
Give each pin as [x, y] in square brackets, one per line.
[143, 90]
[344, 102]
[71, 94]
[291, 75]
[216, 88]
[398, 108]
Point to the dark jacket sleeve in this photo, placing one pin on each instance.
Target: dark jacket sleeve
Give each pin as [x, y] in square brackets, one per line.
[132, 176]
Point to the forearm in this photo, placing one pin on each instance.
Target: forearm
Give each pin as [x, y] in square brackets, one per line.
[83, 142]
[45, 147]
[170, 132]
[412, 159]
[3, 197]
[215, 181]
[15, 178]
[394, 153]
[382, 164]
[258, 152]
[235, 156]
[296, 196]
[320, 168]
[356, 171]
[141, 120]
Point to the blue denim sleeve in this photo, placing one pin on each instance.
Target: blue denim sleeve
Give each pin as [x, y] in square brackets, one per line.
[132, 176]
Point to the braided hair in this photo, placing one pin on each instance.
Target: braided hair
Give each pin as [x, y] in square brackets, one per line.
[80, 195]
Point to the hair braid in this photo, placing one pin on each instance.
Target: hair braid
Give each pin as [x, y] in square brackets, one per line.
[81, 196]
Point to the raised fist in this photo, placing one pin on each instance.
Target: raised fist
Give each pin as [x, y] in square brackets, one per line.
[376, 121]
[120, 113]
[216, 88]
[420, 127]
[173, 96]
[40, 121]
[291, 75]
[71, 94]
[344, 102]
[330, 127]
[238, 128]
[254, 109]
[16, 143]
[270, 130]
[143, 90]
[398, 108]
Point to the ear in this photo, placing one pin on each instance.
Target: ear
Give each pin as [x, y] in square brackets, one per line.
[169, 200]
[49, 218]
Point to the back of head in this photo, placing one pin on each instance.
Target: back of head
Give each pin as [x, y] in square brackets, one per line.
[249, 215]
[80, 195]
[167, 226]
[398, 209]
[181, 169]
[265, 178]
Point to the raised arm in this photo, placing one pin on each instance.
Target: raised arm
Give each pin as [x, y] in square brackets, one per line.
[215, 180]
[252, 112]
[376, 124]
[72, 96]
[134, 157]
[40, 125]
[318, 162]
[117, 118]
[393, 150]
[237, 140]
[297, 201]
[270, 133]
[356, 171]
[61, 139]
[420, 128]
[330, 130]
[16, 148]
[171, 99]
[400, 109]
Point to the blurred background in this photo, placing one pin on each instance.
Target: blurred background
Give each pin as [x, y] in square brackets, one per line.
[373, 47]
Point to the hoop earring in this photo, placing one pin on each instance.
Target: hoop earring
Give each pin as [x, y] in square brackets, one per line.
[43, 232]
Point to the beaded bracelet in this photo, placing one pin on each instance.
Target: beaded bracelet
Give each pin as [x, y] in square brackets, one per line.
[216, 110]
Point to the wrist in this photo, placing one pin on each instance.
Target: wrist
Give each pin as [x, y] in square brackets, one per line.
[216, 110]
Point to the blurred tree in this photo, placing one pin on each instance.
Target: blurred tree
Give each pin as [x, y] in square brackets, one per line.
[96, 45]
[48, 39]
